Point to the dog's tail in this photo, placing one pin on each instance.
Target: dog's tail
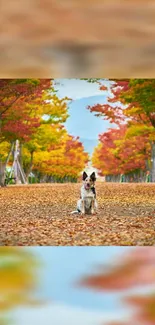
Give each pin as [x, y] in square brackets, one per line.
[75, 212]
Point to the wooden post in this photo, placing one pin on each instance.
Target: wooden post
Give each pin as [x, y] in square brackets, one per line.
[16, 167]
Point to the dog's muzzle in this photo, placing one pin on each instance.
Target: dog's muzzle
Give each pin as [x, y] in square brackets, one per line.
[87, 186]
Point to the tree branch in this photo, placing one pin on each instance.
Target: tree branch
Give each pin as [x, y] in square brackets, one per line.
[9, 106]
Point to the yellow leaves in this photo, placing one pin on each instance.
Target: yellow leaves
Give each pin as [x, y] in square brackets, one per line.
[32, 146]
[133, 111]
[46, 136]
[4, 149]
[17, 277]
[138, 130]
[152, 134]
[56, 108]
[40, 157]
[116, 150]
[63, 155]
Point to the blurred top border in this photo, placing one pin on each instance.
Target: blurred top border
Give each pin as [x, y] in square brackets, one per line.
[74, 39]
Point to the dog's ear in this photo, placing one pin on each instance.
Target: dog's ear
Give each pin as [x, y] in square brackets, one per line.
[84, 176]
[93, 177]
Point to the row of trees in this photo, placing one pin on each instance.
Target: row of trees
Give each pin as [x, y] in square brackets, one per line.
[129, 148]
[31, 112]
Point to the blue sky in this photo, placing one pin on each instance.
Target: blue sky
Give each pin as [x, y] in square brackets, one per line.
[84, 123]
[77, 88]
[81, 122]
[65, 265]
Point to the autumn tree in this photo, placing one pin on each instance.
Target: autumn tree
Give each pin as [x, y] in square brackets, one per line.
[49, 132]
[33, 114]
[132, 103]
[64, 160]
[19, 101]
[17, 96]
[117, 154]
[139, 96]
[24, 104]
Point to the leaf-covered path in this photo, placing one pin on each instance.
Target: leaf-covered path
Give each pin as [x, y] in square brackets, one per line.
[40, 215]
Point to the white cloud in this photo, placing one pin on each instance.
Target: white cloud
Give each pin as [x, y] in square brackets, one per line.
[57, 314]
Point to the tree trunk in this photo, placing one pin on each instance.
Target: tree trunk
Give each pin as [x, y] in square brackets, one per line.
[2, 174]
[21, 155]
[147, 165]
[153, 161]
[30, 167]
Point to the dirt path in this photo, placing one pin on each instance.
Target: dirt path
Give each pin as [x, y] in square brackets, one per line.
[40, 215]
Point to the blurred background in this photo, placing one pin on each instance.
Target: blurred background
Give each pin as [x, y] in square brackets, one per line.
[73, 38]
[88, 285]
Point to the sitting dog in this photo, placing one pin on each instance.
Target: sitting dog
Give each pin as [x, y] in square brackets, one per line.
[87, 203]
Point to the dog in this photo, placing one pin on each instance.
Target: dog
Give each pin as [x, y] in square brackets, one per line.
[87, 203]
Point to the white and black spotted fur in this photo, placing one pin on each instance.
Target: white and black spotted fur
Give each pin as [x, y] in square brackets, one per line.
[87, 203]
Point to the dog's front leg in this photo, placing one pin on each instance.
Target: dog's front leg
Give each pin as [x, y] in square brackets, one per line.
[82, 207]
[92, 206]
